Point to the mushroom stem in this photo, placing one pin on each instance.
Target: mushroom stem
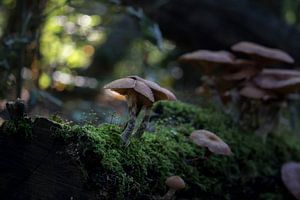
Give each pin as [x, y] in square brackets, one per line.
[132, 108]
[144, 123]
[169, 194]
[207, 154]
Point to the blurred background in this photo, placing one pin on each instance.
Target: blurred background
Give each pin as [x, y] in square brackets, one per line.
[57, 54]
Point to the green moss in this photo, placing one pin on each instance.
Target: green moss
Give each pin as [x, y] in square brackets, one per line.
[139, 171]
[21, 127]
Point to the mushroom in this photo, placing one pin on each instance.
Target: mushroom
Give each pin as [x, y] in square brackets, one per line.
[240, 69]
[262, 54]
[211, 141]
[290, 175]
[280, 81]
[174, 183]
[137, 94]
[253, 92]
[208, 59]
[140, 94]
[159, 94]
[282, 73]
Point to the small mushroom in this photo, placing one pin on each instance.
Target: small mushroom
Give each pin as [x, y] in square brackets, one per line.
[140, 94]
[290, 175]
[174, 183]
[253, 92]
[262, 54]
[211, 141]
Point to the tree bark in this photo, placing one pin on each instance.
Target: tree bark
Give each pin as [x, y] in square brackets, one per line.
[39, 169]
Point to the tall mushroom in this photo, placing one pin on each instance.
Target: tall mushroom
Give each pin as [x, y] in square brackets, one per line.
[290, 175]
[174, 183]
[211, 141]
[140, 94]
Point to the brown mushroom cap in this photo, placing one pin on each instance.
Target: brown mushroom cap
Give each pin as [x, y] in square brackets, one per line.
[207, 58]
[159, 92]
[238, 63]
[175, 182]
[244, 73]
[281, 81]
[208, 139]
[240, 69]
[253, 92]
[129, 86]
[262, 53]
[290, 175]
[281, 73]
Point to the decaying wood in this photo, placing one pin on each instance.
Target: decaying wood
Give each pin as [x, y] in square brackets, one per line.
[39, 168]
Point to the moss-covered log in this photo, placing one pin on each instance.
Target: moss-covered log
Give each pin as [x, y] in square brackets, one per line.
[87, 162]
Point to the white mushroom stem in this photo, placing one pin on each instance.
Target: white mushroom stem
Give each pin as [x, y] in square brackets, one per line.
[132, 108]
[144, 123]
[169, 194]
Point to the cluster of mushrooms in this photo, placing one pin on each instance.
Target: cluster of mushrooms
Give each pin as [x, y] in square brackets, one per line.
[247, 79]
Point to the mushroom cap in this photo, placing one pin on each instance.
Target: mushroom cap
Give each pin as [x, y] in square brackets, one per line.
[238, 63]
[159, 92]
[208, 139]
[243, 73]
[290, 175]
[253, 92]
[129, 86]
[207, 57]
[277, 83]
[281, 73]
[121, 84]
[262, 53]
[175, 182]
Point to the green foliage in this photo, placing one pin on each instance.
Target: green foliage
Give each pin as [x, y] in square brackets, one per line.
[139, 171]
